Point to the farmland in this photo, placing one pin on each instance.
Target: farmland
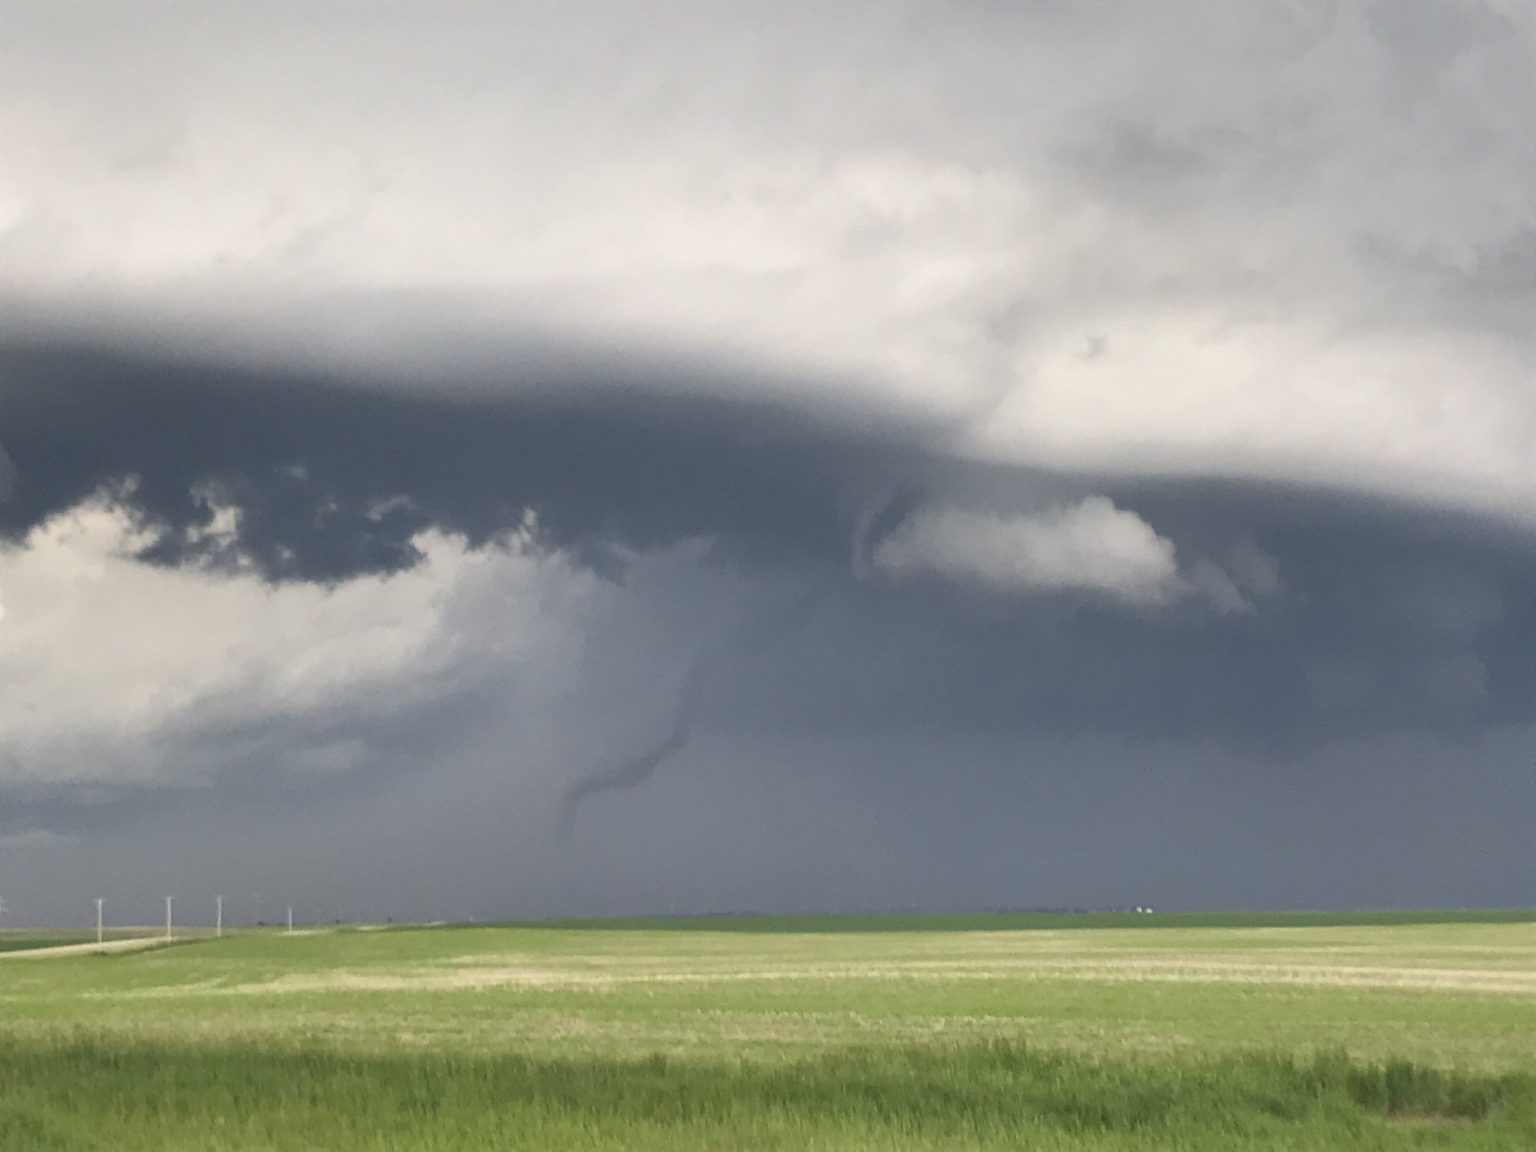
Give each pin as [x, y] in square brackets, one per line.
[1385, 1032]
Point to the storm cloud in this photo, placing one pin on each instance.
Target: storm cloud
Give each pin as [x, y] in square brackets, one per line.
[397, 410]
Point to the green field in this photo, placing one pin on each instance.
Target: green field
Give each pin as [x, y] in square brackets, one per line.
[1300, 1032]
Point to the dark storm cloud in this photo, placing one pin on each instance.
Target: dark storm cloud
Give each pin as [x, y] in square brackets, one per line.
[297, 336]
[1356, 644]
[1387, 622]
[332, 479]
[7, 474]
[1386, 617]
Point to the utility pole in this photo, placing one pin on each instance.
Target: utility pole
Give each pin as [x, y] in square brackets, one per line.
[290, 919]
[168, 900]
[98, 919]
[218, 920]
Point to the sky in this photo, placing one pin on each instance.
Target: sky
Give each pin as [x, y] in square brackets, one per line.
[479, 461]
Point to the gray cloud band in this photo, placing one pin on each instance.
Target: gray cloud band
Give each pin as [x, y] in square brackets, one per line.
[1382, 617]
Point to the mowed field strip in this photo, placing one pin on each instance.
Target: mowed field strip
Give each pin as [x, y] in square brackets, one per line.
[1263, 956]
[713, 1000]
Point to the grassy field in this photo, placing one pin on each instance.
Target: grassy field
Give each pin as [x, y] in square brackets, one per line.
[1397, 1031]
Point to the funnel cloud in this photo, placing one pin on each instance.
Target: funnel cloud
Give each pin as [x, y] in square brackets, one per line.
[634, 772]
[750, 631]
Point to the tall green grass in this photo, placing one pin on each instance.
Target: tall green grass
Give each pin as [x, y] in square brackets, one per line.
[82, 1095]
[836, 1034]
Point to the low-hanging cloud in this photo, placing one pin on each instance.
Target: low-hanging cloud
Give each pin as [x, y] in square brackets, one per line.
[1091, 546]
[111, 670]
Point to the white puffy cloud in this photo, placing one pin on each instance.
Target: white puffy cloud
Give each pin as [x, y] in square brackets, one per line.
[1306, 258]
[111, 669]
[1090, 546]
